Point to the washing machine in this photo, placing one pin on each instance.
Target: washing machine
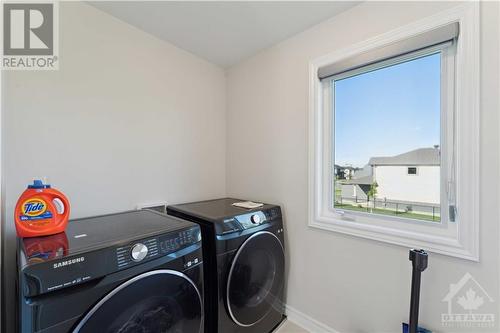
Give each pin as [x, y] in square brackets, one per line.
[137, 271]
[244, 264]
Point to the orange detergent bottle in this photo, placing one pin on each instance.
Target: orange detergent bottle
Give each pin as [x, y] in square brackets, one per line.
[40, 211]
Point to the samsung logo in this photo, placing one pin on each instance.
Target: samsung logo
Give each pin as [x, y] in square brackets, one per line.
[69, 262]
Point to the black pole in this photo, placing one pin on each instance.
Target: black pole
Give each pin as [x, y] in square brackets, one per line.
[418, 259]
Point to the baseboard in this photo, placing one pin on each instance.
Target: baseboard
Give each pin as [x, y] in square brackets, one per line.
[305, 321]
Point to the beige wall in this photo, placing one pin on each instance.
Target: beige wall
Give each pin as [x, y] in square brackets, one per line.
[348, 283]
[127, 119]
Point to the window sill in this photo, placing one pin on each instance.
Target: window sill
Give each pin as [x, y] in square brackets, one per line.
[436, 244]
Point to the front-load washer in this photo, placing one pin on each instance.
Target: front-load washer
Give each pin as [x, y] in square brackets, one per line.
[244, 264]
[137, 271]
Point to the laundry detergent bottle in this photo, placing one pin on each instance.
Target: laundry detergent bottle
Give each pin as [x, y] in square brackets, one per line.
[41, 211]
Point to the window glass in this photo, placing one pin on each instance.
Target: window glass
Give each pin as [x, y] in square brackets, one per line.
[412, 170]
[387, 125]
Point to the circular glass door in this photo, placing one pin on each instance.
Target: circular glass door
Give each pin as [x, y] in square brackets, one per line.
[255, 278]
[158, 301]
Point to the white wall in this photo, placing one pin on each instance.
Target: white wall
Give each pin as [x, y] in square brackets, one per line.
[394, 183]
[348, 283]
[127, 119]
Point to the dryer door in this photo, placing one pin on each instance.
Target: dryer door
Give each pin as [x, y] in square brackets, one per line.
[255, 280]
[156, 301]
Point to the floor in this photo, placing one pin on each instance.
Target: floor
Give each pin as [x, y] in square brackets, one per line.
[289, 327]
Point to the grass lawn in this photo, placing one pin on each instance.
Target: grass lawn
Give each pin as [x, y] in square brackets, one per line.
[389, 212]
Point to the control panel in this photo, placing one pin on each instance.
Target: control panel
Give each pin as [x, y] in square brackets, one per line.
[139, 252]
[171, 243]
[244, 221]
[135, 252]
[153, 247]
[273, 213]
[251, 220]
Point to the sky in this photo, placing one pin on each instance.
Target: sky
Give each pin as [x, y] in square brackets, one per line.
[388, 111]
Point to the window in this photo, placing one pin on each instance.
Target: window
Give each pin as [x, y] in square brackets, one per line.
[394, 109]
[412, 170]
[402, 104]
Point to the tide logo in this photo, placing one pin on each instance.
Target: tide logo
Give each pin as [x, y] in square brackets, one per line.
[34, 207]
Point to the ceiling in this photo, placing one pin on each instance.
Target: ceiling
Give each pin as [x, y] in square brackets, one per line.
[223, 33]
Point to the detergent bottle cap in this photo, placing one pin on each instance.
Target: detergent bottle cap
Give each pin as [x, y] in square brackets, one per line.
[38, 184]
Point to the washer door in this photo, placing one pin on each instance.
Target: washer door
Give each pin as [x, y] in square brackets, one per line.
[255, 278]
[153, 302]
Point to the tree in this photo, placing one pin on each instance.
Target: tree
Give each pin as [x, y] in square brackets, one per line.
[372, 193]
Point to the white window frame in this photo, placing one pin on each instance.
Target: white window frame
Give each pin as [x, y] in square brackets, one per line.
[458, 239]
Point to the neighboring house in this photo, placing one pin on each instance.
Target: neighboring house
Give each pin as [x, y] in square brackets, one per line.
[344, 172]
[409, 177]
[358, 186]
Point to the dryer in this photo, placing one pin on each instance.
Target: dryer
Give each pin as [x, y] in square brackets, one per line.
[137, 271]
[244, 264]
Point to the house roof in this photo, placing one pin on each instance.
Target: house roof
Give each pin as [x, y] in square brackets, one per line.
[421, 156]
[349, 167]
